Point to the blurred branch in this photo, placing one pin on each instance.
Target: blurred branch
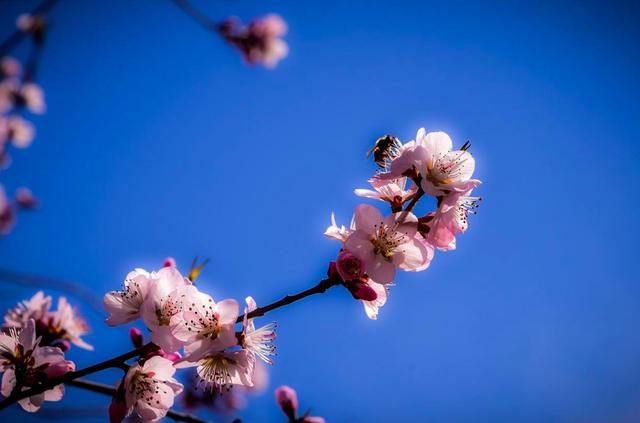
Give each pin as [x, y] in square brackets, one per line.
[102, 388]
[199, 16]
[17, 35]
[75, 289]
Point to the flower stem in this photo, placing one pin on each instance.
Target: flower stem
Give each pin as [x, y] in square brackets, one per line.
[318, 289]
[109, 390]
[70, 376]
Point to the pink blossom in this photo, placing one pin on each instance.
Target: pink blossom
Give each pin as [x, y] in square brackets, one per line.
[206, 325]
[450, 219]
[14, 94]
[162, 308]
[287, 399]
[219, 371]
[260, 41]
[7, 213]
[125, 306]
[150, 389]
[339, 233]
[384, 244]
[258, 341]
[9, 67]
[392, 191]
[169, 262]
[35, 308]
[25, 360]
[68, 324]
[20, 132]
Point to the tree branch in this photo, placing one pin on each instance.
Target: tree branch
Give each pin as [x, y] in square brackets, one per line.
[109, 390]
[199, 16]
[318, 289]
[70, 376]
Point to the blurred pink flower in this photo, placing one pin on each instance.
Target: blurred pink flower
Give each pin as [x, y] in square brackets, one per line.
[260, 41]
[66, 322]
[150, 389]
[19, 132]
[9, 67]
[35, 308]
[25, 360]
[384, 244]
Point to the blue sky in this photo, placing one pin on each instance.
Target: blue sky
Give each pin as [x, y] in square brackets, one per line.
[158, 141]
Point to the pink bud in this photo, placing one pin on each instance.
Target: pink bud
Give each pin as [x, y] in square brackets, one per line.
[349, 266]
[287, 399]
[137, 339]
[169, 262]
[25, 198]
[361, 290]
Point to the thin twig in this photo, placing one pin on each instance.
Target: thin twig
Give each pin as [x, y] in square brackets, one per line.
[17, 35]
[108, 390]
[68, 377]
[199, 16]
[318, 289]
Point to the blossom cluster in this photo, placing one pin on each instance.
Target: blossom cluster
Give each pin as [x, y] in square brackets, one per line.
[33, 341]
[374, 246]
[23, 200]
[180, 317]
[260, 41]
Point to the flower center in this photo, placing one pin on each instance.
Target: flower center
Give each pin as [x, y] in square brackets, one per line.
[385, 240]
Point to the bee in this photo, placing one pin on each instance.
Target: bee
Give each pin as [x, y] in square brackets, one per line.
[386, 148]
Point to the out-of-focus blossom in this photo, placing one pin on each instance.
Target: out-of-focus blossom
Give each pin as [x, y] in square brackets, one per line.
[169, 262]
[35, 308]
[27, 364]
[25, 199]
[125, 306]
[260, 41]
[19, 132]
[220, 371]
[162, 308]
[150, 389]
[7, 213]
[392, 191]
[258, 341]
[287, 399]
[206, 325]
[36, 25]
[14, 94]
[9, 67]
[386, 243]
[66, 324]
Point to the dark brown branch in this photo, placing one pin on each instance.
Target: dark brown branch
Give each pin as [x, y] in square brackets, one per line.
[318, 289]
[18, 35]
[70, 376]
[108, 390]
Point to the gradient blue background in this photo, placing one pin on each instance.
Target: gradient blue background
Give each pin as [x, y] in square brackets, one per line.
[158, 141]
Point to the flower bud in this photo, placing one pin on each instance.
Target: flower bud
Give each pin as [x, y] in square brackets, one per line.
[117, 410]
[169, 262]
[348, 266]
[64, 345]
[287, 399]
[25, 198]
[361, 290]
[137, 339]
